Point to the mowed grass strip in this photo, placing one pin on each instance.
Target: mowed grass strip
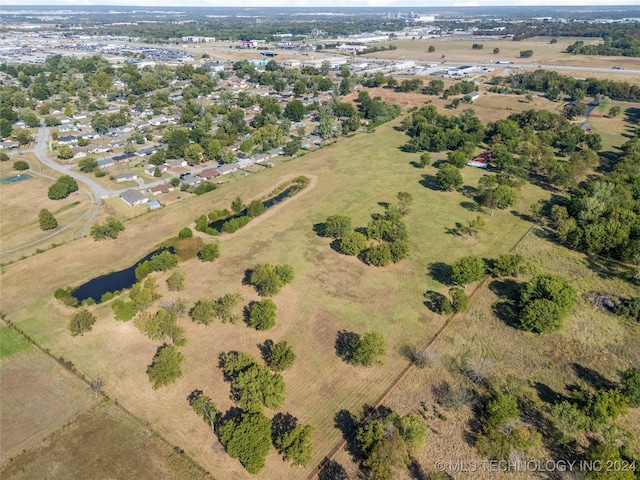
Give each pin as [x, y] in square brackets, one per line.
[331, 292]
[11, 342]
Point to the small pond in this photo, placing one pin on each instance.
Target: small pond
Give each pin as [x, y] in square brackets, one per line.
[110, 282]
[267, 204]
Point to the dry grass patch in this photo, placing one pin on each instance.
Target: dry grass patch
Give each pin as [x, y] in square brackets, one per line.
[105, 442]
[331, 292]
[38, 397]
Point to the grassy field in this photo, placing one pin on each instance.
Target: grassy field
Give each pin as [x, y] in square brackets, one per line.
[38, 397]
[21, 202]
[330, 293]
[459, 50]
[11, 342]
[105, 439]
[589, 351]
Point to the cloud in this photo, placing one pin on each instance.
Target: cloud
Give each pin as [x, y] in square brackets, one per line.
[466, 4]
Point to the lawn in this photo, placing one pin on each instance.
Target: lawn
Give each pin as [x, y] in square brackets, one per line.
[20, 232]
[330, 293]
[11, 342]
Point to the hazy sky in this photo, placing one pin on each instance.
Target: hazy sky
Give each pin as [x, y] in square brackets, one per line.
[392, 4]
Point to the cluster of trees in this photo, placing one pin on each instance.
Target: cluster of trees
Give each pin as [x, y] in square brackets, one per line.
[503, 432]
[141, 297]
[387, 441]
[205, 310]
[602, 217]
[110, 229]
[375, 110]
[160, 262]
[387, 230]
[62, 188]
[555, 84]
[623, 46]
[544, 302]
[433, 132]
[248, 435]
[163, 325]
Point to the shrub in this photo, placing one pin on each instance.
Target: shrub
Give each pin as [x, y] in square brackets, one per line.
[467, 270]
[185, 233]
[255, 208]
[459, 300]
[280, 356]
[368, 349]
[47, 220]
[175, 282]
[20, 165]
[337, 226]
[399, 250]
[234, 224]
[209, 252]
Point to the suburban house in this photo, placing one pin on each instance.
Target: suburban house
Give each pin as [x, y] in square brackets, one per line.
[162, 189]
[124, 177]
[208, 174]
[227, 168]
[151, 169]
[133, 197]
[482, 160]
[68, 128]
[105, 162]
[310, 141]
[474, 96]
[67, 140]
[191, 181]
[177, 163]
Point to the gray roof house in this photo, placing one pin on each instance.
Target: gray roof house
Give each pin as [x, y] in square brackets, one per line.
[123, 177]
[133, 197]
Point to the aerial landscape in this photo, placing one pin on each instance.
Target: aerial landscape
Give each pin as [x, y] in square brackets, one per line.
[319, 242]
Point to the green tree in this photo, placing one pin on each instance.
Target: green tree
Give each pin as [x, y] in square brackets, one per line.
[65, 153]
[20, 165]
[165, 367]
[405, 199]
[631, 386]
[294, 110]
[449, 177]
[337, 226]
[268, 279]
[368, 349]
[467, 270]
[526, 53]
[496, 51]
[81, 321]
[185, 233]
[509, 265]
[47, 220]
[247, 438]
[500, 197]
[550, 287]
[262, 314]
[204, 407]
[223, 307]
[280, 356]
[256, 208]
[237, 205]
[203, 311]
[299, 88]
[607, 455]
[175, 282]
[378, 255]
[614, 111]
[431, 49]
[399, 250]
[193, 154]
[425, 160]
[164, 326]
[209, 252]
[88, 164]
[255, 387]
[353, 243]
[459, 299]
[64, 186]
[110, 229]
[295, 445]
[457, 158]
[568, 420]
[540, 316]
